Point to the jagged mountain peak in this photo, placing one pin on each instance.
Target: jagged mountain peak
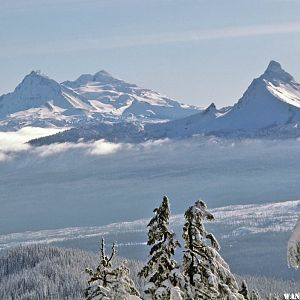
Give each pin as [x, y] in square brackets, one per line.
[35, 92]
[102, 77]
[212, 107]
[274, 84]
[275, 72]
[103, 73]
[33, 73]
[98, 76]
[37, 75]
[274, 66]
[35, 79]
[272, 99]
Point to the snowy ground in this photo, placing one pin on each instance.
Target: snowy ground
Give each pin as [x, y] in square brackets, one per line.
[231, 221]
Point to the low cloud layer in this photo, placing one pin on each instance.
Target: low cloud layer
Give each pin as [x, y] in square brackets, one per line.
[14, 143]
[83, 184]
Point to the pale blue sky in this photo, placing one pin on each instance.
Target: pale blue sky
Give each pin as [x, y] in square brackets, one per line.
[192, 50]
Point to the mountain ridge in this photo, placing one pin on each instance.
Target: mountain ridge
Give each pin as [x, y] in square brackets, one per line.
[270, 107]
[100, 106]
[91, 98]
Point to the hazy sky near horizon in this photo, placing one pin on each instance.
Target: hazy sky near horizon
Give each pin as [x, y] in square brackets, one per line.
[195, 51]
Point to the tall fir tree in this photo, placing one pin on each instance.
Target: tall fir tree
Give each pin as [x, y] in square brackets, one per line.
[207, 274]
[255, 295]
[161, 272]
[274, 297]
[244, 290]
[293, 250]
[108, 282]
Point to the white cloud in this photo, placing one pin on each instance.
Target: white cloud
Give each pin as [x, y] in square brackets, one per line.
[49, 150]
[3, 156]
[155, 143]
[16, 141]
[12, 143]
[102, 148]
[84, 44]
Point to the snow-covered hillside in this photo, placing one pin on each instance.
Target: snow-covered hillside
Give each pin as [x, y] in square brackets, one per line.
[259, 231]
[239, 220]
[41, 101]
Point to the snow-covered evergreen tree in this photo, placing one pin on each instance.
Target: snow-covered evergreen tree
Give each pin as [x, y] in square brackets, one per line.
[46, 272]
[123, 287]
[161, 272]
[274, 297]
[294, 247]
[207, 274]
[255, 295]
[244, 290]
[109, 283]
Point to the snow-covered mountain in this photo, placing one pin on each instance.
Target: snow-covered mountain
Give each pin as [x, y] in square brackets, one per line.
[110, 95]
[270, 107]
[271, 104]
[271, 100]
[100, 106]
[41, 101]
